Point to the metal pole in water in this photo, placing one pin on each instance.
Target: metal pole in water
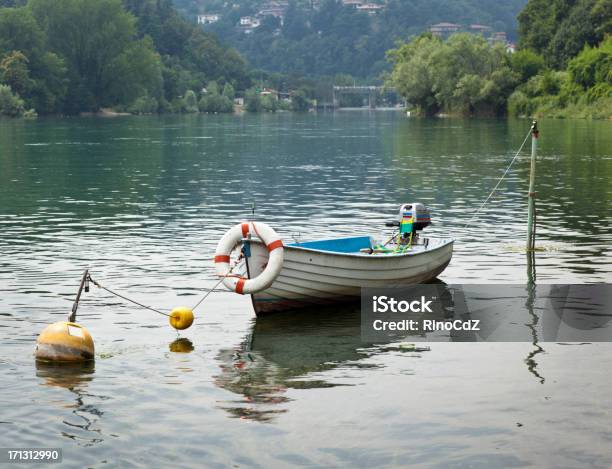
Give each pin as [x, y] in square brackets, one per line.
[84, 286]
[535, 133]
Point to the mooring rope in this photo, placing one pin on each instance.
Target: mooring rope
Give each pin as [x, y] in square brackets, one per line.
[500, 179]
[99, 285]
[212, 289]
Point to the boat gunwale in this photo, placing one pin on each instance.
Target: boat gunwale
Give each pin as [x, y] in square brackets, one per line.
[444, 242]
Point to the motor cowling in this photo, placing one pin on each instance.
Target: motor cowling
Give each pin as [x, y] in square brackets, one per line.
[415, 214]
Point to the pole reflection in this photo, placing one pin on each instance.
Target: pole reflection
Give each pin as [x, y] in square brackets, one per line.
[531, 287]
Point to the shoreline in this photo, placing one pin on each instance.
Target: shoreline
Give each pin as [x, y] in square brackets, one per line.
[240, 111]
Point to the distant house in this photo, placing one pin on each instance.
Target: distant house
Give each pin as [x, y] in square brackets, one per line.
[511, 48]
[352, 3]
[444, 29]
[500, 36]
[249, 22]
[370, 8]
[276, 4]
[269, 92]
[274, 12]
[480, 29]
[277, 12]
[208, 18]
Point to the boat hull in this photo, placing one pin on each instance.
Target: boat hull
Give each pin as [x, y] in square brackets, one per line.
[310, 277]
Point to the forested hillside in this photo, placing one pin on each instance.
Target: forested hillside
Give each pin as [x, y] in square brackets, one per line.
[559, 29]
[569, 43]
[328, 37]
[70, 56]
[563, 66]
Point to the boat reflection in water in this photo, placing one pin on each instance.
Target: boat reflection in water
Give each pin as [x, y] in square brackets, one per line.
[297, 350]
[282, 351]
[293, 351]
[75, 377]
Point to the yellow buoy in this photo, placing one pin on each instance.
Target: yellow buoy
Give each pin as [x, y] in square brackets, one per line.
[181, 317]
[64, 342]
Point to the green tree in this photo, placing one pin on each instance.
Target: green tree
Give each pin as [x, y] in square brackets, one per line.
[214, 102]
[80, 55]
[463, 75]
[252, 101]
[20, 31]
[95, 39]
[299, 101]
[212, 87]
[592, 66]
[414, 70]
[190, 102]
[269, 103]
[527, 64]
[139, 68]
[15, 73]
[47, 83]
[10, 104]
[144, 105]
[559, 29]
[229, 92]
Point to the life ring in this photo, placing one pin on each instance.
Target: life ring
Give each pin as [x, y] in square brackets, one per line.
[228, 242]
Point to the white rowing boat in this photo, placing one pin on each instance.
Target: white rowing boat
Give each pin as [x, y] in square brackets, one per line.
[335, 270]
[331, 270]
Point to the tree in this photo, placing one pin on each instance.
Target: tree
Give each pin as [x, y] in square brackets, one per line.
[413, 72]
[10, 104]
[20, 31]
[229, 92]
[47, 83]
[14, 72]
[299, 101]
[144, 105]
[212, 87]
[213, 101]
[50, 84]
[527, 64]
[463, 75]
[108, 66]
[252, 101]
[593, 66]
[190, 101]
[559, 29]
[294, 26]
[139, 70]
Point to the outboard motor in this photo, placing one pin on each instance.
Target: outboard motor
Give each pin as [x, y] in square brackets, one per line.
[416, 214]
[412, 218]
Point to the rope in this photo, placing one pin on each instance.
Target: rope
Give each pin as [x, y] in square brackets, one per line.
[97, 284]
[213, 288]
[500, 180]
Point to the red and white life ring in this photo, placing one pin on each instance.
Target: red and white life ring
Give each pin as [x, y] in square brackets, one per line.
[228, 242]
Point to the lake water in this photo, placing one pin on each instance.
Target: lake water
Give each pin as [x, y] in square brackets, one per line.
[142, 202]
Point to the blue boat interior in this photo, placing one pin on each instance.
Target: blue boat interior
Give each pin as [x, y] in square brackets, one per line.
[352, 244]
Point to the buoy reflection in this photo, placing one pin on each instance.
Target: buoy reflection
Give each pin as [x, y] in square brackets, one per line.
[181, 345]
